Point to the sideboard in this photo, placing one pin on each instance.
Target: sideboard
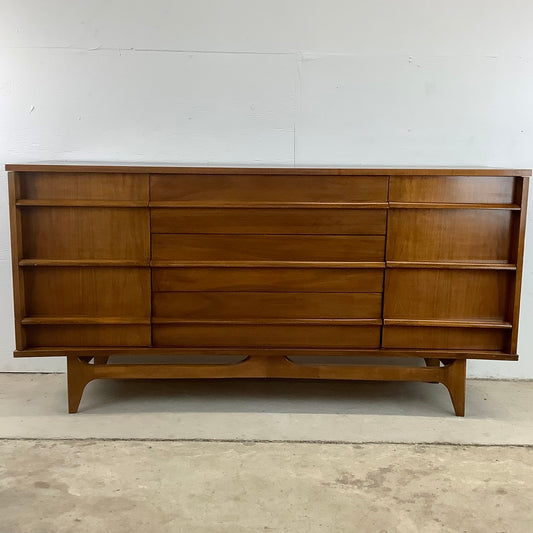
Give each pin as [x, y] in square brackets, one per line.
[269, 264]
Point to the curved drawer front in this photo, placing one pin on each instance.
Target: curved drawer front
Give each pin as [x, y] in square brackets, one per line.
[266, 336]
[275, 305]
[265, 279]
[322, 248]
[199, 188]
[270, 221]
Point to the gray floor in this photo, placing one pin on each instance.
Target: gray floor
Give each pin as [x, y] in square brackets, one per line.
[212, 487]
[191, 456]
[498, 412]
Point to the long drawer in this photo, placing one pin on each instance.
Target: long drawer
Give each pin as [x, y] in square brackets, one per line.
[201, 188]
[265, 336]
[322, 248]
[270, 221]
[268, 279]
[276, 305]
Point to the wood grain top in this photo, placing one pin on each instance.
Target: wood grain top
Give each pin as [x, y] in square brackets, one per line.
[316, 171]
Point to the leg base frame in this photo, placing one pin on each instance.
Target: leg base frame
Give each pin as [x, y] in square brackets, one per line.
[80, 372]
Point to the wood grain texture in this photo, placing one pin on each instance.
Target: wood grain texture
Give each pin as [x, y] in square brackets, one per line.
[257, 188]
[84, 186]
[270, 221]
[19, 298]
[448, 294]
[298, 336]
[267, 279]
[449, 235]
[87, 335]
[440, 338]
[86, 233]
[453, 189]
[168, 247]
[276, 305]
[87, 292]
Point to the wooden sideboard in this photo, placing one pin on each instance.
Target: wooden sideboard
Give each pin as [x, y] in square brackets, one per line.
[270, 265]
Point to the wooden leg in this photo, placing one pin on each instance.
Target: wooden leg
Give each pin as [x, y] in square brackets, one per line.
[455, 381]
[79, 373]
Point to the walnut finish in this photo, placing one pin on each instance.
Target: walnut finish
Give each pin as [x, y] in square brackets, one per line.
[267, 264]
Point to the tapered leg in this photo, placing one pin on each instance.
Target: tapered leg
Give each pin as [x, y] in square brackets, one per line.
[79, 373]
[455, 382]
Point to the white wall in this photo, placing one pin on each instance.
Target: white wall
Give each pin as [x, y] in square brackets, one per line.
[301, 82]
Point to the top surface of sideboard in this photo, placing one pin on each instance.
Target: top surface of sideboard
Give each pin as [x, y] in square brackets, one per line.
[329, 171]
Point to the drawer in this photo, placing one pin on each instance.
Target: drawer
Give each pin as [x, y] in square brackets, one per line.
[268, 279]
[448, 294]
[84, 186]
[266, 336]
[450, 235]
[453, 189]
[277, 305]
[444, 338]
[87, 291]
[86, 233]
[200, 188]
[270, 221]
[334, 248]
[84, 335]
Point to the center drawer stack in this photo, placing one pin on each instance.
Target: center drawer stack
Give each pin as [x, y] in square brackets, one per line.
[267, 260]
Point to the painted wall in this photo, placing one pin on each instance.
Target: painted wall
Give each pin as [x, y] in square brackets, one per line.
[301, 82]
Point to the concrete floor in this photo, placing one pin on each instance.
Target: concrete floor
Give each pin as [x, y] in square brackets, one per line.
[213, 487]
[191, 456]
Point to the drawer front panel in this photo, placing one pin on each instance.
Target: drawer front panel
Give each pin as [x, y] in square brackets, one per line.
[87, 291]
[87, 335]
[448, 294]
[453, 189]
[250, 305]
[86, 233]
[450, 235]
[267, 336]
[167, 247]
[270, 221]
[84, 186]
[268, 279]
[200, 188]
[442, 338]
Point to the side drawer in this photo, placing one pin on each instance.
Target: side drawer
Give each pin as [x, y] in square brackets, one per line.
[444, 338]
[268, 279]
[84, 186]
[453, 189]
[226, 188]
[266, 336]
[87, 291]
[481, 235]
[276, 305]
[270, 221]
[334, 248]
[412, 293]
[85, 233]
[86, 335]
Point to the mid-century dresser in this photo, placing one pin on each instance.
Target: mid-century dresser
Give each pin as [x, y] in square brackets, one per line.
[269, 264]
